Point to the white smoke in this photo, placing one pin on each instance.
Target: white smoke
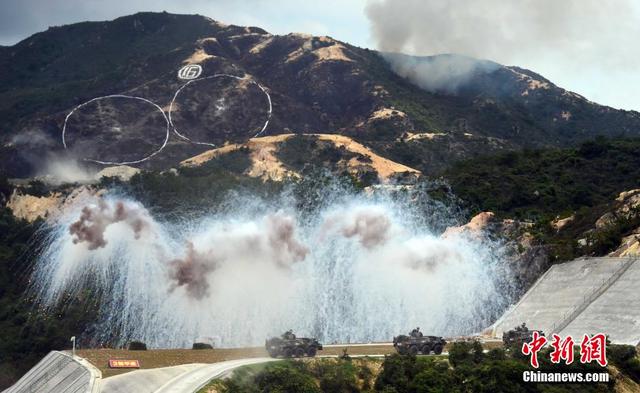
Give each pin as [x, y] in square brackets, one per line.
[445, 73]
[360, 269]
[583, 44]
[61, 169]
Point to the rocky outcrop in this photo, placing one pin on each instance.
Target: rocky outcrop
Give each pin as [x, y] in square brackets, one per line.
[30, 207]
[630, 245]
[628, 207]
[560, 223]
[526, 256]
[48, 207]
[616, 232]
[122, 172]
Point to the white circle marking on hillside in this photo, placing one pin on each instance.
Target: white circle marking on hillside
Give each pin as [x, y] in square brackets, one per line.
[259, 133]
[166, 139]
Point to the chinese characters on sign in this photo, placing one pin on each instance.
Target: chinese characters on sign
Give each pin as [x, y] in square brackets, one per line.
[120, 363]
[591, 349]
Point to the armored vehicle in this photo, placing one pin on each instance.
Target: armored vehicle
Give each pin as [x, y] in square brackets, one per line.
[288, 345]
[416, 342]
[518, 336]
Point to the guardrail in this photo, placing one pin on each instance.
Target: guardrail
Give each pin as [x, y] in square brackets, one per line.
[572, 314]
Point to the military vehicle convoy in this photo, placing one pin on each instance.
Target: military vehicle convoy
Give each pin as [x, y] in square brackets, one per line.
[518, 336]
[416, 343]
[290, 346]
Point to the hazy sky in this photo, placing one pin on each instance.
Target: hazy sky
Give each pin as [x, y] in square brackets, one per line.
[588, 46]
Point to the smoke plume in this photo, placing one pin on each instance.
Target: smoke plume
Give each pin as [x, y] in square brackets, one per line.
[443, 73]
[61, 169]
[192, 270]
[369, 225]
[282, 241]
[94, 221]
[551, 37]
[271, 241]
[257, 268]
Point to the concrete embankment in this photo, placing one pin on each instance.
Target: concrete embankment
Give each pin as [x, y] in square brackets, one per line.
[584, 296]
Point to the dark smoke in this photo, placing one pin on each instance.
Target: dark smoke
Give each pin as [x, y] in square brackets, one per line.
[274, 242]
[369, 226]
[288, 249]
[94, 221]
[192, 271]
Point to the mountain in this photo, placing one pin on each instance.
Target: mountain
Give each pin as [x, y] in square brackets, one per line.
[314, 84]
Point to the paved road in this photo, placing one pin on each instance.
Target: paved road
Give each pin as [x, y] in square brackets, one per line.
[186, 378]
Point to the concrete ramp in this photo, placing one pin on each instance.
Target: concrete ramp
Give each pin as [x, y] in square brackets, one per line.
[586, 295]
[58, 372]
[187, 378]
[145, 381]
[615, 312]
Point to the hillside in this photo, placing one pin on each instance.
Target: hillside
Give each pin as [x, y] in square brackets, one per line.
[545, 183]
[582, 200]
[281, 156]
[315, 85]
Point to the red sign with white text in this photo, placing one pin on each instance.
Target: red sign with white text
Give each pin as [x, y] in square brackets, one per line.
[121, 363]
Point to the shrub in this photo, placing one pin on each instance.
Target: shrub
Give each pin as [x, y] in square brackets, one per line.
[625, 357]
[137, 346]
[202, 346]
[338, 377]
[286, 378]
[460, 353]
[436, 377]
[397, 372]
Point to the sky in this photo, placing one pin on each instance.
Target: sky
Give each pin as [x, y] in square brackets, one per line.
[587, 46]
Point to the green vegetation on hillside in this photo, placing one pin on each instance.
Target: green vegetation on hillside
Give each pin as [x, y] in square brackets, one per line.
[466, 369]
[235, 162]
[314, 376]
[307, 153]
[422, 108]
[541, 185]
[535, 184]
[26, 336]
[299, 151]
[50, 70]
[194, 190]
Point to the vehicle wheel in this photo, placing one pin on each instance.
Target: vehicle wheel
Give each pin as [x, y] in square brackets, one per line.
[426, 349]
[299, 352]
[402, 350]
[287, 353]
[437, 349]
[413, 350]
[311, 352]
[273, 354]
